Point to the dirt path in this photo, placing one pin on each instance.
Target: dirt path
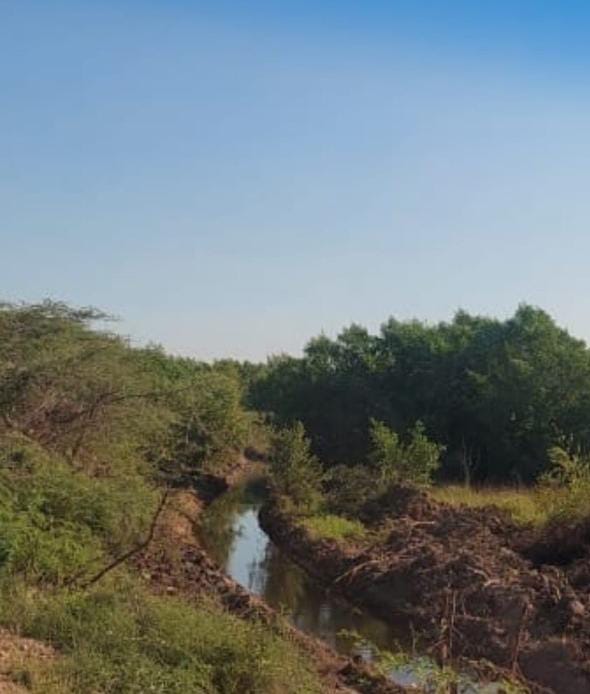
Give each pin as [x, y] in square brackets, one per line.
[455, 576]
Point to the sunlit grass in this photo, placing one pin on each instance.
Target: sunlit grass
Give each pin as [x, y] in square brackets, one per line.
[334, 527]
[120, 639]
[525, 506]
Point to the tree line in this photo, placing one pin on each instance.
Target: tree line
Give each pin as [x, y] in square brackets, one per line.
[495, 395]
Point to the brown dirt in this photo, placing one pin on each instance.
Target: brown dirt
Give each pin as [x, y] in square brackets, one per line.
[457, 575]
[174, 563]
[16, 655]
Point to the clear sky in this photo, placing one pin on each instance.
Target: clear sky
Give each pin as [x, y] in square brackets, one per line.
[232, 178]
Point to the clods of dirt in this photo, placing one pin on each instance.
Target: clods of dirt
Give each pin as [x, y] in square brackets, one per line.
[458, 576]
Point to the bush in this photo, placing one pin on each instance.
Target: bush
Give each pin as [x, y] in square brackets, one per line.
[564, 491]
[349, 488]
[296, 472]
[58, 523]
[394, 462]
[210, 424]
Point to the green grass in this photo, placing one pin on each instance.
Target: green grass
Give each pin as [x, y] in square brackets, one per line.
[334, 528]
[560, 497]
[523, 505]
[120, 640]
[539, 506]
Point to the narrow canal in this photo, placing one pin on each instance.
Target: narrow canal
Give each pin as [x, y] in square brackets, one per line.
[232, 535]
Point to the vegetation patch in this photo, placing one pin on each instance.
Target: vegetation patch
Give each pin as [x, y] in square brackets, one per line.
[522, 505]
[560, 498]
[497, 394]
[120, 639]
[334, 528]
[92, 433]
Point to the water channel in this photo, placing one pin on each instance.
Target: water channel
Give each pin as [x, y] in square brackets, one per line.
[232, 535]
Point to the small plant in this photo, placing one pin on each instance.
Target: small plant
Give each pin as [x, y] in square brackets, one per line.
[395, 462]
[296, 472]
[564, 491]
[349, 488]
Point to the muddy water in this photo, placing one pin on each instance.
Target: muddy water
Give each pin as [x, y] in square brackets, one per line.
[232, 535]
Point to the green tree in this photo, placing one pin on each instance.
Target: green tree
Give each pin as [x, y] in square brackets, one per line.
[296, 472]
[396, 462]
[497, 394]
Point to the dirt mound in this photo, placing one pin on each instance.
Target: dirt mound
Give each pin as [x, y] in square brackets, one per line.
[482, 599]
[454, 574]
[16, 654]
[396, 501]
[557, 545]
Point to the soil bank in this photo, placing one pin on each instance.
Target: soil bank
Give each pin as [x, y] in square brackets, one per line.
[175, 563]
[458, 578]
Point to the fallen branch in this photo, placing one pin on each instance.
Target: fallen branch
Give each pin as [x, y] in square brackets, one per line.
[127, 555]
[349, 575]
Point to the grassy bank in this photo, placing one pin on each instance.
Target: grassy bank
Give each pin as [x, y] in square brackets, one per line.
[540, 506]
[91, 433]
[522, 505]
[333, 527]
[119, 638]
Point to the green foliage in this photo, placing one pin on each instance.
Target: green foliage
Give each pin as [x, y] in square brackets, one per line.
[564, 490]
[496, 394]
[412, 463]
[334, 527]
[108, 409]
[208, 421]
[118, 639]
[296, 472]
[58, 523]
[349, 487]
[77, 392]
[87, 427]
[211, 423]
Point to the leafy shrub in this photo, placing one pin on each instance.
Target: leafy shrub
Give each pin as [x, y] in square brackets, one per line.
[349, 488]
[50, 556]
[57, 523]
[394, 462]
[564, 491]
[296, 472]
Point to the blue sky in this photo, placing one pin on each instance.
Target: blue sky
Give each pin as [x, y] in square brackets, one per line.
[233, 178]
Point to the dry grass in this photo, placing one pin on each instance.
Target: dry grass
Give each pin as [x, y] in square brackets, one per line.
[523, 505]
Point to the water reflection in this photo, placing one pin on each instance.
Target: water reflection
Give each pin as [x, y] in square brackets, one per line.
[234, 538]
[232, 535]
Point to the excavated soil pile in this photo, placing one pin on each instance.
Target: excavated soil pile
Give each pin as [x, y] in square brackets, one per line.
[455, 574]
